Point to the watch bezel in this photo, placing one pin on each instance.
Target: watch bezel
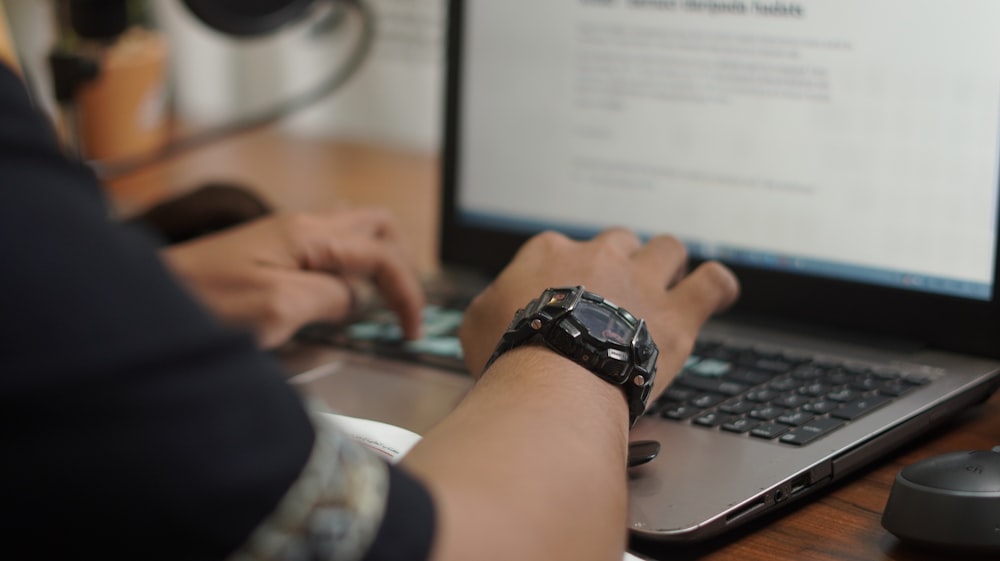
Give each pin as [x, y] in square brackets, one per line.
[554, 318]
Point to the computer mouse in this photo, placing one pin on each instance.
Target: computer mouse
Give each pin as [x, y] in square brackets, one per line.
[948, 501]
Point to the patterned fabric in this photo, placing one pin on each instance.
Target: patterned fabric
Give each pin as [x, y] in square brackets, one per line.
[333, 511]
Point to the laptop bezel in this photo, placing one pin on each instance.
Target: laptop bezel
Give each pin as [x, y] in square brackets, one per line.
[945, 322]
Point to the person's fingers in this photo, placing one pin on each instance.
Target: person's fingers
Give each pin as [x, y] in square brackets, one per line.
[709, 289]
[394, 275]
[361, 242]
[376, 222]
[310, 235]
[663, 259]
[622, 239]
[296, 298]
[535, 255]
[542, 245]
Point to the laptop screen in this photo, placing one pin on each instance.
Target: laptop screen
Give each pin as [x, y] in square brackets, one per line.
[854, 139]
[849, 142]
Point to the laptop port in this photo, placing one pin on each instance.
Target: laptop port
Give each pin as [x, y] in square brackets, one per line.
[779, 496]
[800, 483]
[746, 509]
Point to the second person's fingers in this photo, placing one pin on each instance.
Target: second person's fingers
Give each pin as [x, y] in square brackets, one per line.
[397, 280]
[622, 239]
[709, 289]
[664, 260]
[298, 298]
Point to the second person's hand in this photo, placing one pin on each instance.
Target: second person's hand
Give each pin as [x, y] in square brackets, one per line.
[276, 274]
[650, 280]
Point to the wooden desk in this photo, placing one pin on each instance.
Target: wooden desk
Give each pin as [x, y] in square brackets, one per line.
[842, 524]
[301, 174]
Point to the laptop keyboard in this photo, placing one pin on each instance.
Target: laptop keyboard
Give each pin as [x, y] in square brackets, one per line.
[770, 394]
[775, 395]
[378, 332]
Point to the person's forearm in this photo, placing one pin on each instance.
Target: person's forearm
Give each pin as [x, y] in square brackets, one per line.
[531, 465]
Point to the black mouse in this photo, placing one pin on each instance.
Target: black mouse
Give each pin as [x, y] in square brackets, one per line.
[948, 501]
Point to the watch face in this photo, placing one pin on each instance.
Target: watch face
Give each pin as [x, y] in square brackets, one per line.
[604, 323]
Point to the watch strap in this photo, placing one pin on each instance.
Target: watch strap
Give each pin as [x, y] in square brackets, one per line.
[624, 354]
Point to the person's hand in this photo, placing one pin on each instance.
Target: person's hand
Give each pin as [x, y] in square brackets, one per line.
[649, 280]
[276, 274]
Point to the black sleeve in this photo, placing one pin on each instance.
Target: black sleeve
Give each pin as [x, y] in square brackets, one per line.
[408, 525]
[133, 424]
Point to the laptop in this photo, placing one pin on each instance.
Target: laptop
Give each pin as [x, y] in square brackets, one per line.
[841, 157]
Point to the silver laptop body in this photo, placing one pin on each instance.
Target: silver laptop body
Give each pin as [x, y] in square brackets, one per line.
[840, 156]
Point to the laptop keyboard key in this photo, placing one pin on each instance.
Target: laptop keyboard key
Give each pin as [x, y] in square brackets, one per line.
[791, 401]
[811, 431]
[917, 380]
[749, 376]
[706, 400]
[710, 368]
[773, 365]
[712, 419]
[808, 372]
[680, 412]
[711, 385]
[896, 388]
[860, 407]
[738, 407]
[741, 425]
[677, 395]
[838, 377]
[785, 384]
[769, 430]
[867, 383]
[767, 413]
[844, 395]
[885, 373]
[820, 407]
[796, 418]
[763, 396]
[814, 390]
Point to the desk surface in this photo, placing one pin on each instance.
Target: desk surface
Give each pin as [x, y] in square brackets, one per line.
[842, 524]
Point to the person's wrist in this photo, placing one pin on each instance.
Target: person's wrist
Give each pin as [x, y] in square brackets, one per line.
[563, 384]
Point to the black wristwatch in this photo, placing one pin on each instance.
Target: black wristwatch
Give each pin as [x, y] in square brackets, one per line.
[593, 332]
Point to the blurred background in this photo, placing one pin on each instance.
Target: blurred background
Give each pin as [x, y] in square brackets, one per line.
[175, 116]
[212, 79]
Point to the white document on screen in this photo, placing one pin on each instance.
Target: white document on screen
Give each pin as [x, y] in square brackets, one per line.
[853, 132]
